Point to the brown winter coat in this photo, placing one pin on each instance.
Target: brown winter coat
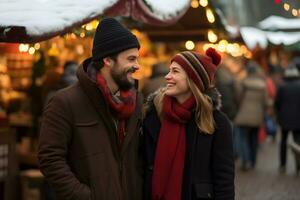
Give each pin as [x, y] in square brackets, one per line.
[78, 148]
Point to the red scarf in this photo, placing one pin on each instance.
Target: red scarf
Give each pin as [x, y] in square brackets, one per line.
[123, 109]
[170, 151]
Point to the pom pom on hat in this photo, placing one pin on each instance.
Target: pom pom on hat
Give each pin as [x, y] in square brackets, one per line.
[214, 55]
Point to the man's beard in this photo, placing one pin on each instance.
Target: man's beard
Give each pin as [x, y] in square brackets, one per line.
[120, 77]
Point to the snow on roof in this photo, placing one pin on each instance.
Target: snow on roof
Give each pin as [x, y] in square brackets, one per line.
[285, 38]
[166, 9]
[279, 23]
[253, 37]
[46, 16]
[35, 20]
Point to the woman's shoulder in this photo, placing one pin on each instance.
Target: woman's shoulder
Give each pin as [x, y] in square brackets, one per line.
[221, 120]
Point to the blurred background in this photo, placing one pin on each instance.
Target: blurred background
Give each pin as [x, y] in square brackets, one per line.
[258, 78]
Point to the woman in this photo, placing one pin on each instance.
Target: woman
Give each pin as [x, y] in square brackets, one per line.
[188, 141]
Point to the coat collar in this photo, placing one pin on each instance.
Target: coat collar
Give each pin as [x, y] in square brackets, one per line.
[96, 98]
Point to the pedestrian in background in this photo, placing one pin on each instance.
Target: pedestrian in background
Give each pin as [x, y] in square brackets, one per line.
[188, 140]
[287, 105]
[253, 103]
[89, 139]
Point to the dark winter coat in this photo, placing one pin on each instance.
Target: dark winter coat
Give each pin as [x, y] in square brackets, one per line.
[209, 163]
[78, 148]
[287, 104]
[227, 85]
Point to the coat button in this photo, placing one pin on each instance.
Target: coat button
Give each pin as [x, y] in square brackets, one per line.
[209, 195]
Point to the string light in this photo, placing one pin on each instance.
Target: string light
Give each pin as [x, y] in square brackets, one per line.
[189, 45]
[210, 16]
[233, 49]
[203, 3]
[287, 7]
[194, 4]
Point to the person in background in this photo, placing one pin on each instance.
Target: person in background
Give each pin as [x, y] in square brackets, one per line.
[90, 133]
[188, 146]
[156, 80]
[227, 84]
[67, 78]
[287, 105]
[253, 103]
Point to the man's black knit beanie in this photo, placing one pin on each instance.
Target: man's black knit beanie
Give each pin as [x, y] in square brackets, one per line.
[111, 38]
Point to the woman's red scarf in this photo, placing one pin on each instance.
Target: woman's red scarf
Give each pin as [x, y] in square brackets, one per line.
[122, 109]
[170, 151]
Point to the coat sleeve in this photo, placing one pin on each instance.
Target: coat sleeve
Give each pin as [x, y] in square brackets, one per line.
[223, 159]
[55, 136]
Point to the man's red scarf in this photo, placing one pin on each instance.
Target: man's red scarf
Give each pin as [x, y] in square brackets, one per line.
[170, 152]
[122, 109]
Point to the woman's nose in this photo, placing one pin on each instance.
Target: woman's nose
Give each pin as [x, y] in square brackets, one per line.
[168, 76]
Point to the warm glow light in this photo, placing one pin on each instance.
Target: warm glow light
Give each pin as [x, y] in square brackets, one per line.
[286, 6]
[210, 16]
[295, 12]
[37, 46]
[208, 45]
[212, 37]
[203, 3]
[189, 45]
[31, 50]
[73, 36]
[95, 24]
[222, 45]
[89, 27]
[244, 49]
[23, 47]
[194, 4]
[82, 34]
[53, 51]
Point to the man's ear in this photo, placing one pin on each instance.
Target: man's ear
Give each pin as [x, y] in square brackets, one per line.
[107, 61]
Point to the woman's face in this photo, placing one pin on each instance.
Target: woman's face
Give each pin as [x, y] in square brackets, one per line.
[177, 83]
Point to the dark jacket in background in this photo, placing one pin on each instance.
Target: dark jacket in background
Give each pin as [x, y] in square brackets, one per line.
[156, 80]
[209, 162]
[227, 86]
[79, 152]
[287, 104]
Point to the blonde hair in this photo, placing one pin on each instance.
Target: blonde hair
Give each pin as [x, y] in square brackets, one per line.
[204, 108]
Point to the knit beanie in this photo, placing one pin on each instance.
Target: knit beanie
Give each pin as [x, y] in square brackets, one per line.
[200, 68]
[111, 38]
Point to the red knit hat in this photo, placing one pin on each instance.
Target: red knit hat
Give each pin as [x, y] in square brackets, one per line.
[200, 68]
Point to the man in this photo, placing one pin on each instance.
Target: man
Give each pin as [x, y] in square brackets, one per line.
[89, 138]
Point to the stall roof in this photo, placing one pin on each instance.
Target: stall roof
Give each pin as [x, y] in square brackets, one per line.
[193, 25]
[274, 23]
[35, 20]
[253, 37]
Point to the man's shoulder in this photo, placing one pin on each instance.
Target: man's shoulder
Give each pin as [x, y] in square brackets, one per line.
[71, 93]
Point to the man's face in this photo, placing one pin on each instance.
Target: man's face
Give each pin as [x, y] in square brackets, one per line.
[123, 67]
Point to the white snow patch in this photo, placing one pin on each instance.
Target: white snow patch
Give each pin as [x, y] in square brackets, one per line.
[167, 9]
[276, 22]
[285, 38]
[46, 16]
[253, 37]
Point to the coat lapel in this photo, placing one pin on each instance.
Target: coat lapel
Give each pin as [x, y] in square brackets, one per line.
[95, 96]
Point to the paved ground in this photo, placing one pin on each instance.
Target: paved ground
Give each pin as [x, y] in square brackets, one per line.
[265, 182]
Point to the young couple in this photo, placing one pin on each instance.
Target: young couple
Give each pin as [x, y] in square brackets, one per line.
[95, 142]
